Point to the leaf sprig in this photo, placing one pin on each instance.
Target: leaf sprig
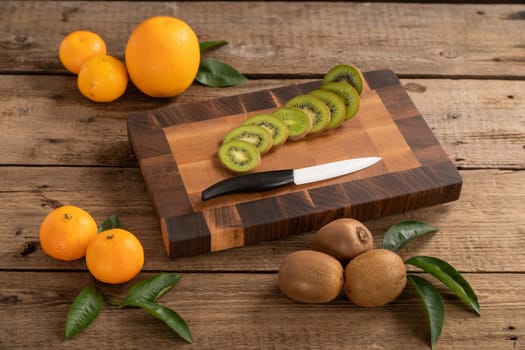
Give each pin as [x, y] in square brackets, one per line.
[397, 237]
[144, 294]
[216, 73]
[90, 302]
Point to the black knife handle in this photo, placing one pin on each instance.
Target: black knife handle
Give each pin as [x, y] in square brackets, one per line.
[256, 182]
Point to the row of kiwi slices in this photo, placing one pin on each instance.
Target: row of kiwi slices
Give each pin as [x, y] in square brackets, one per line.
[316, 112]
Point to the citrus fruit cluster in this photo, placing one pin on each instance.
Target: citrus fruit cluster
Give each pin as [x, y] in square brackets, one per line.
[112, 256]
[162, 58]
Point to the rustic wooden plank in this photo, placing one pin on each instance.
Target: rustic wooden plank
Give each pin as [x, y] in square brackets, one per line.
[477, 123]
[431, 39]
[248, 311]
[465, 117]
[482, 231]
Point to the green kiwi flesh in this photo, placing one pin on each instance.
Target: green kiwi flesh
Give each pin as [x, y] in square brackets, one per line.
[336, 104]
[316, 109]
[349, 95]
[299, 123]
[347, 73]
[256, 135]
[239, 157]
[277, 128]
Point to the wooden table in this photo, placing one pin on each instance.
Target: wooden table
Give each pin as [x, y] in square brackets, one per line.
[463, 65]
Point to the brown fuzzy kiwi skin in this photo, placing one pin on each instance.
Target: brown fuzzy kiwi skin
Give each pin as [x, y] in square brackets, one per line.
[309, 276]
[343, 239]
[375, 278]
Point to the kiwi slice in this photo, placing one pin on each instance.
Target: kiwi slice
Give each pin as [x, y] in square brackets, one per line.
[256, 135]
[345, 72]
[239, 157]
[315, 108]
[299, 123]
[335, 103]
[273, 124]
[349, 95]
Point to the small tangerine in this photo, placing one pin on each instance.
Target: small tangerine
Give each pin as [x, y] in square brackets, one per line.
[115, 256]
[66, 232]
[77, 47]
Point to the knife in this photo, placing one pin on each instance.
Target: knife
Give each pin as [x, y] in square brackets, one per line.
[268, 180]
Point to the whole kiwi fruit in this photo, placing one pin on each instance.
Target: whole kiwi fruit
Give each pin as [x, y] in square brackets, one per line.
[375, 278]
[310, 276]
[343, 239]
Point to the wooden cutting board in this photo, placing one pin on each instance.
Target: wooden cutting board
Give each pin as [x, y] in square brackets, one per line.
[176, 148]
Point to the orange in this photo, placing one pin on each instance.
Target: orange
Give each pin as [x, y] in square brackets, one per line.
[162, 56]
[115, 256]
[66, 232]
[102, 78]
[77, 47]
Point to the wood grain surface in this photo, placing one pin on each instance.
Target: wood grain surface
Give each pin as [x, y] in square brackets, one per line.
[268, 320]
[461, 64]
[412, 39]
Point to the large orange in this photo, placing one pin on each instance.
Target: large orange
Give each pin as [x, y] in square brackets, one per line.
[162, 56]
[115, 256]
[66, 232]
[77, 47]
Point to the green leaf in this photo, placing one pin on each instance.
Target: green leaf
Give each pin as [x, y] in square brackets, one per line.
[149, 290]
[218, 74]
[208, 45]
[83, 311]
[172, 319]
[450, 277]
[400, 234]
[434, 306]
[112, 222]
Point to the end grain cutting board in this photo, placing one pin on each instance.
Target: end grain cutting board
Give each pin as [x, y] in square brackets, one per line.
[176, 148]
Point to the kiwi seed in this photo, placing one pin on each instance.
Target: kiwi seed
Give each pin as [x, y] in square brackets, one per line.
[273, 124]
[299, 123]
[335, 103]
[315, 108]
[256, 135]
[239, 157]
[349, 95]
[347, 73]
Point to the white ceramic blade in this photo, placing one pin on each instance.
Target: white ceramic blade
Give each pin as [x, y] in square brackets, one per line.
[331, 170]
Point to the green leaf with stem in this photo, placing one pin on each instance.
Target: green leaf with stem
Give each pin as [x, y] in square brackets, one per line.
[112, 222]
[449, 276]
[434, 306]
[208, 45]
[218, 74]
[85, 308]
[149, 290]
[172, 319]
[400, 234]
